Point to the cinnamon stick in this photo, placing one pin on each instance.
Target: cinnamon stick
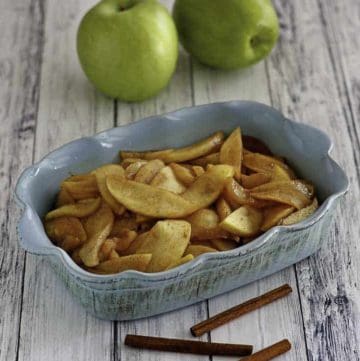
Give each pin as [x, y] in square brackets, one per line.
[270, 352]
[187, 346]
[239, 310]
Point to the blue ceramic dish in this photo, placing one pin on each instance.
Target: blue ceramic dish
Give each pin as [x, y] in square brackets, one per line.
[131, 294]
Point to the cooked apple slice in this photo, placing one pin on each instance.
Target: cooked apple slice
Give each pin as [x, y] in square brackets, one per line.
[213, 158]
[264, 164]
[205, 225]
[148, 171]
[223, 208]
[82, 187]
[224, 244]
[133, 168]
[279, 174]
[98, 227]
[237, 196]
[148, 200]
[136, 262]
[198, 170]
[245, 221]
[66, 232]
[166, 179]
[64, 197]
[166, 241]
[301, 214]
[193, 151]
[294, 193]
[255, 179]
[197, 250]
[101, 174]
[183, 174]
[206, 188]
[273, 215]
[181, 261]
[105, 250]
[231, 151]
[80, 209]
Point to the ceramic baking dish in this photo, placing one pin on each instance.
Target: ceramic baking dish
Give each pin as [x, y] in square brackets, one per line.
[131, 294]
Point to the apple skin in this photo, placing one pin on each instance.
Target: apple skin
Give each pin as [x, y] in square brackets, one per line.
[227, 34]
[128, 49]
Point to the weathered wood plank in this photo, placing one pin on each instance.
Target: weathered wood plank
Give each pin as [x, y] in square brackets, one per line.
[283, 318]
[21, 27]
[305, 85]
[54, 326]
[341, 30]
[178, 323]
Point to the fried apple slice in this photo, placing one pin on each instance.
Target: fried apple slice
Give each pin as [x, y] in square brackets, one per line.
[279, 174]
[294, 193]
[193, 151]
[245, 221]
[105, 250]
[237, 196]
[205, 243]
[136, 262]
[124, 239]
[80, 209]
[114, 254]
[291, 197]
[66, 232]
[301, 214]
[273, 215]
[133, 168]
[98, 227]
[81, 187]
[223, 208]
[127, 222]
[231, 151]
[166, 179]
[64, 197]
[128, 161]
[183, 174]
[148, 200]
[181, 261]
[197, 250]
[224, 244]
[208, 186]
[75, 257]
[212, 158]
[148, 171]
[261, 163]
[101, 174]
[166, 241]
[255, 179]
[198, 170]
[136, 244]
[205, 225]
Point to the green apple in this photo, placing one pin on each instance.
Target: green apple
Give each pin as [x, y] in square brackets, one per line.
[128, 48]
[227, 34]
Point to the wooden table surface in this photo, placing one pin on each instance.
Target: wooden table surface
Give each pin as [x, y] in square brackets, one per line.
[313, 76]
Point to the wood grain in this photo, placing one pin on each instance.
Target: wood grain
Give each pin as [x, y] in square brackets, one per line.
[312, 76]
[21, 27]
[305, 85]
[54, 326]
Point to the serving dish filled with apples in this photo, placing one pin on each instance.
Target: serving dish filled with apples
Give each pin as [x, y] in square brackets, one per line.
[201, 201]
